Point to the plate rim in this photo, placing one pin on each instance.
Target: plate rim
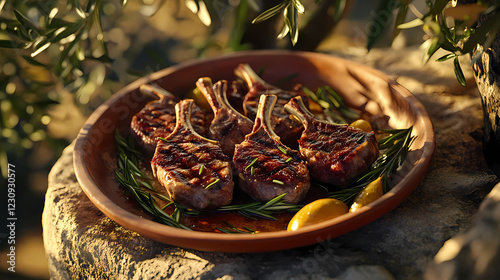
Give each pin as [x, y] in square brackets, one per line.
[244, 242]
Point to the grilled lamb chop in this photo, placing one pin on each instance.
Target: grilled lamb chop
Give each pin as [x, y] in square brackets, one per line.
[193, 169]
[157, 119]
[266, 167]
[335, 154]
[228, 126]
[288, 129]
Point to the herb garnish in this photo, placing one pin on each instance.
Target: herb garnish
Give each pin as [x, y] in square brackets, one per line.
[212, 184]
[278, 182]
[396, 147]
[282, 150]
[332, 104]
[251, 163]
[131, 177]
[138, 185]
[233, 229]
[253, 209]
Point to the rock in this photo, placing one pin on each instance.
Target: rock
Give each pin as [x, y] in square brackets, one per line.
[486, 68]
[82, 243]
[371, 272]
[474, 254]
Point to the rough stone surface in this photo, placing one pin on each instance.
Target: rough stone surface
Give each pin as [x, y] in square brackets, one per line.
[474, 254]
[82, 243]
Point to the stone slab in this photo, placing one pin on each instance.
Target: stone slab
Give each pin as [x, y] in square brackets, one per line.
[82, 243]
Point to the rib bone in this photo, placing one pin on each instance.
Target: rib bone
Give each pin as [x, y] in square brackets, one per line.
[193, 169]
[267, 168]
[228, 126]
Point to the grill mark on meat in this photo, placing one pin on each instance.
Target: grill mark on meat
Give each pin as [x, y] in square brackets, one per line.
[179, 158]
[263, 162]
[288, 129]
[157, 119]
[228, 126]
[335, 154]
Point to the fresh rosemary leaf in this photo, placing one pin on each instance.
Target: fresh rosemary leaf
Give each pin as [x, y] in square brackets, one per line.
[260, 209]
[282, 150]
[233, 229]
[252, 163]
[212, 184]
[332, 104]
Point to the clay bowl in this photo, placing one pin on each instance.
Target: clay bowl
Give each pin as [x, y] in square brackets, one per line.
[362, 88]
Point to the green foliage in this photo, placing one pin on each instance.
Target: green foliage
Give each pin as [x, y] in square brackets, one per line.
[44, 45]
[448, 26]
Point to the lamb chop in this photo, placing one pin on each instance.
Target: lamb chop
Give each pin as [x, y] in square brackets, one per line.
[193, 169]
[228, 126]
[266, 167]
[288, 129]
[335, 154]
[157, 119]
[236, 95]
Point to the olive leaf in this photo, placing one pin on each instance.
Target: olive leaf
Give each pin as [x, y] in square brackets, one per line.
[380, 21]
[458, 72]
[271, 12]
[9, 44]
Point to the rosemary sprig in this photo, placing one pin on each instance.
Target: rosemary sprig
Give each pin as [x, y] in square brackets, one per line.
[332, 104]
[396, 147]
[251, 163]
[140, 188]
[131, 177]
[233, 229]
[278, 182]
[259, 209]
[282, 150]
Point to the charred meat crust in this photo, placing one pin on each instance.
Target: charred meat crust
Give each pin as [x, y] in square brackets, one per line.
[267, 168]
[193, 169]
[335, 154]
[228, 126]
[157, 119]
[288, 129]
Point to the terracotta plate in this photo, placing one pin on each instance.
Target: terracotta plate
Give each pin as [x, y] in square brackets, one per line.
[361, 87]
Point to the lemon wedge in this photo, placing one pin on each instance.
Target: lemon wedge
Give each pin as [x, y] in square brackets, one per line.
[368, 194]
[317, 211]
[362, 124]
